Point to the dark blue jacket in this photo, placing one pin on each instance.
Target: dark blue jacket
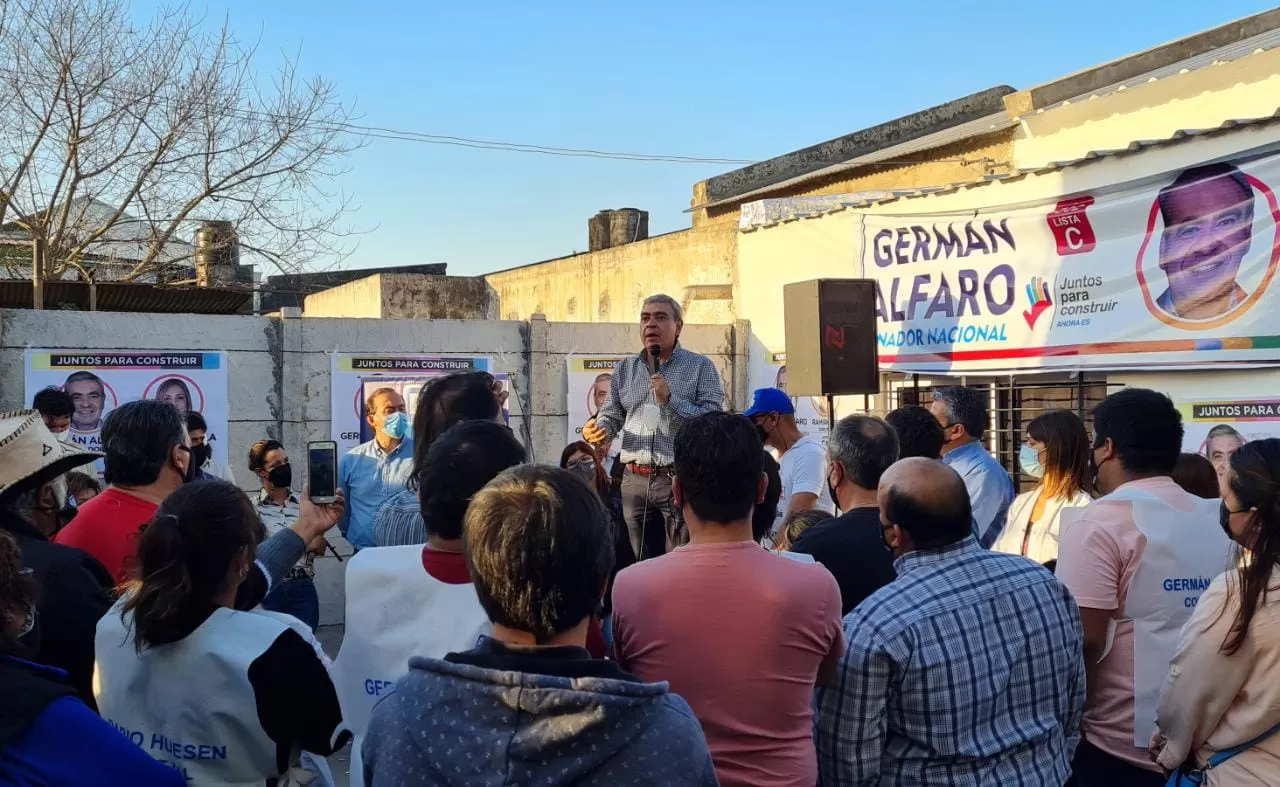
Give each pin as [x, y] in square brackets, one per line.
[48, 737]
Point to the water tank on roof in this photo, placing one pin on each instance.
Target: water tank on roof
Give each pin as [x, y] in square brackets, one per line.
[217, 253]
[598, 231]
[628, 225]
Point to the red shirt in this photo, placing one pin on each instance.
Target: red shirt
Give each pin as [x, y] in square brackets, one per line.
[107, 528]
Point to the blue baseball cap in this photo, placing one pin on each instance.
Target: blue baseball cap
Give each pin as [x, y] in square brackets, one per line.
[770, 400]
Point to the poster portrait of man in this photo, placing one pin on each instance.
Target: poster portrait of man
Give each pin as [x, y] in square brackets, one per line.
[1207, 214]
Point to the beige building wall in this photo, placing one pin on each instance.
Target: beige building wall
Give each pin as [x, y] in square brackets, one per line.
[1204, 98]
[359, 298]
[699, 266]
[695, 266]
[406, 296]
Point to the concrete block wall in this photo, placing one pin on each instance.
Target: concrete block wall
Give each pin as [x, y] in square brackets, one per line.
[279, 371]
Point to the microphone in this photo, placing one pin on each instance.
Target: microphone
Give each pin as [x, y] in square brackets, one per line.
[654, 351]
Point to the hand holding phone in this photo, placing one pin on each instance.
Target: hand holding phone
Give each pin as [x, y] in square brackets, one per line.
[322, 471]
[316, 519]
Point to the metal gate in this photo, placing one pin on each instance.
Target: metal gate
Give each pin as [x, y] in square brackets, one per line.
[1012, 401]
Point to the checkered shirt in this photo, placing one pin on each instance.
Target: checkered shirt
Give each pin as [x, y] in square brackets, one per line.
[695, 389]
[968, 669]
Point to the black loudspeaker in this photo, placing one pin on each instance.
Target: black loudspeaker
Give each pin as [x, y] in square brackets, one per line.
[831, 337]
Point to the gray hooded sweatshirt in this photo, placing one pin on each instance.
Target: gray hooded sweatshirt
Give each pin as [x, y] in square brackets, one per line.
[506, 716]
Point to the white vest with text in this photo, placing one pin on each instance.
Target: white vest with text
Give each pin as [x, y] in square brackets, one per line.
[189, 704]
[396, 610]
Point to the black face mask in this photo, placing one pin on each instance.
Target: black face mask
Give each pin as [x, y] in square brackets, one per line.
[193, 467]
[281, 476]
[584, 470]
[1093, 469]
[201, 454]
[67, 513]
[1224, 519]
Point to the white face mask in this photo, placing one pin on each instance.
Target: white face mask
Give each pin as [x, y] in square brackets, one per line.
[63, 436]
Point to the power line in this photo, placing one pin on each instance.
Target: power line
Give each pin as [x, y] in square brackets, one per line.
[398, 135]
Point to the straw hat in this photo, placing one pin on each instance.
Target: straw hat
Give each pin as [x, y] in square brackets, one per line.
[30, 455]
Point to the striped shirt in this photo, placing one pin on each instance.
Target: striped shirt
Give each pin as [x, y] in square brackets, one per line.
[968, 669]
[398, 522]
[649, 431]
[280, 516]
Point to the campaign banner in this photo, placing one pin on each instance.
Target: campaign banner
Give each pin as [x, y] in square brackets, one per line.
[357, 375]
[590, 377]
[101, 380]
[1172, 272]
[812, 413]
[1216, 429]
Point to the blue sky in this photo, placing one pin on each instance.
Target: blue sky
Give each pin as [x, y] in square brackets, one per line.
[747, 80]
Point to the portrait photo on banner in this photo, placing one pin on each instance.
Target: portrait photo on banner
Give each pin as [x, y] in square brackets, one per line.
[1217, 429]
[355, 376]
[1210, 251]
[589, 380]
[98, 381]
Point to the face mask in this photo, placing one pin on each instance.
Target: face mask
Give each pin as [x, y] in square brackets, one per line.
[201, 454]
[584, 470]
[1224, 519]
[64, 436]
[1093, 469]
[192, 469]
[1029, 460]
[396, 425]
[831, 490]
[281, 477]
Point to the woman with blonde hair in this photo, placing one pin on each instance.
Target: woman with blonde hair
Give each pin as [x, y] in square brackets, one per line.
[1055, 450]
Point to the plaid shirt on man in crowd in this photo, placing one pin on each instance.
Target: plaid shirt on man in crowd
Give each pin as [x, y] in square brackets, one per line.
[968, 669]
[695, 389]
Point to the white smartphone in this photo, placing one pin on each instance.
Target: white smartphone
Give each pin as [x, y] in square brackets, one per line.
[322, 471]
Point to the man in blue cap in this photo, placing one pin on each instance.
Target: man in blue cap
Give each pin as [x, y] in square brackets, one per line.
[802, 458]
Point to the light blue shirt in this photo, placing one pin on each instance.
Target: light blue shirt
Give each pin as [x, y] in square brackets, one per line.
[368, 477]
[990, 489]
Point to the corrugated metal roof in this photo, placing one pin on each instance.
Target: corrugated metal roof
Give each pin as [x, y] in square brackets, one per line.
[121, 297]
[855, 203]
[938, 139]
[1223, 54]
[126, 238]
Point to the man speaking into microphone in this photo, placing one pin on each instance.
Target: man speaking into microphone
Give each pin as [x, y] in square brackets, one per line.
[652, 395]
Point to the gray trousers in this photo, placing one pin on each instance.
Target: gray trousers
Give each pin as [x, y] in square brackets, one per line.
[654, 526]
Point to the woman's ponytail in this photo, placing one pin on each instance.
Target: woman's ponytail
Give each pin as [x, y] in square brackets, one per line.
[184, 556]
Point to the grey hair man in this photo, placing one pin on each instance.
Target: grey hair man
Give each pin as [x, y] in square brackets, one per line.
[962, 413]
[859, 451]
[653, 393]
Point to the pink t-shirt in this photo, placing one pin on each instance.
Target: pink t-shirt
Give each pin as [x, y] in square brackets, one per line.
[1097, 558]
[740, 634]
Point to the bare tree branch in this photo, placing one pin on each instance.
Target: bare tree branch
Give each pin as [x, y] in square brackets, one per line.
[117, 140]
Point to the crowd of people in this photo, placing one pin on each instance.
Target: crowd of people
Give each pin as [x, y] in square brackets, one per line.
[689, 597]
